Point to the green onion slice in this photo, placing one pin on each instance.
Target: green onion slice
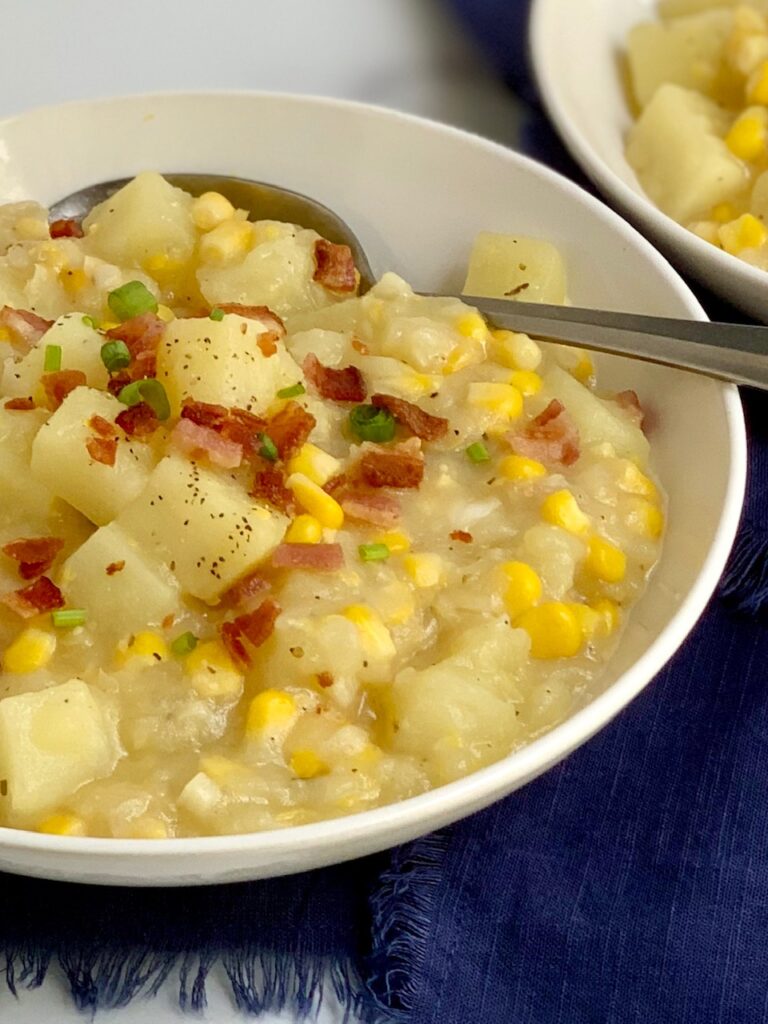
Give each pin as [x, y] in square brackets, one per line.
[268, 448]
[373, 552]
[216, 314]
[184, 643]
[292, 391]
[115, 355]
[131, 300]
[148, 390]
[68, 618]
[52, 358]
[370, 423]
[477, 452]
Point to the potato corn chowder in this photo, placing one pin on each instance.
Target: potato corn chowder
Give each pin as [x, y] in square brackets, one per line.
[273, 552]
[699, 78]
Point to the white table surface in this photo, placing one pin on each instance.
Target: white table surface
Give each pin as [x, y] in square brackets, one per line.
[407, 54]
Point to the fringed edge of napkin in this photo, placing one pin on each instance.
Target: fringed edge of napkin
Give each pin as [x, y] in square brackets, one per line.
[402, 911]
[744, 586]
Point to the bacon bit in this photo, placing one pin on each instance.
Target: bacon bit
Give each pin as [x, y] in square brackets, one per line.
[269, 486]
[26, 328]
[360, 346]
[117, 382]
[101, 426]
[168, 621]
[629, 401]
[267, 342]
[318, 557]
[401, 466]
[244, 428]
[422, 424]
[41, 596]
[138, 420]
[242, 593]
[57, 385]
[462, 535]
[193, 440]
[263, 313]
[344, 385]
[552, 436]
[35, 555]
[204, 414]
[20, 404]
[334, 267]
[66, 228]
[378, 509]
[324, 680]
[290, 428]
[142, 335]
[102, 449]
[255, 627]
[115, 567]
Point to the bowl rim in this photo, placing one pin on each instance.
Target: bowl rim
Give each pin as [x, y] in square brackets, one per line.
[632, 200]
[495, 780]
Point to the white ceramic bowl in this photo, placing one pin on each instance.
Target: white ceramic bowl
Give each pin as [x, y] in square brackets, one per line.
[416, 193]
[576, 50]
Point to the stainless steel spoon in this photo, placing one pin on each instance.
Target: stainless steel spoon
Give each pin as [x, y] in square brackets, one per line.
[731, 352]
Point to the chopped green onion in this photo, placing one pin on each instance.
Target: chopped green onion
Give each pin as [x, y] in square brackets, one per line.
[89, 322]
[268, 448]
[150, 391]
[131, 300]
[52, 358]
[216, 314]
[68, 618]
[373, 552]
[477, 452]
[370, 423]
[292, 391]
[115, 355]
[184, 643]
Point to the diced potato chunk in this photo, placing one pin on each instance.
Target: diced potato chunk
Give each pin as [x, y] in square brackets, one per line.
[677, 151]
[20, 492]
[120, 585]
[513, 266]
[221, 362]
[52, 742]
[146, 218]
[205, 524]
[61, 461]
[80, 350]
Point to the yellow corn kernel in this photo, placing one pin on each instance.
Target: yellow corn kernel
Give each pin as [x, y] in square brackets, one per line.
[32, 649]
[519, 467]
[313, 499]
[584, 370]
[368, 756]
[305, 764]
[503, 399]
[375, 636]
[633, 481]
[396, 541]
[516, 350]
[426, 570]
[317, 465]
[522, 588]
[463, 355]
[746, 232]
[562, 509]
[211, 209]
[610, 615]
[227, 241]
[166, 314]
[74, 280]
[62, 824]
[723, 212]
[605, 561]
[590, 622]
[213, 673]
[554, 630]
[645, 519]
[472, 325]
[757, 85]
[304, 529]
[746, 137]
[527, 382]
[148, 646]
[160, 263]
[271, 710]
[108, 325]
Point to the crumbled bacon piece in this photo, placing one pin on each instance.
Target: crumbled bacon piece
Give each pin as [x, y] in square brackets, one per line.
[20, 404]
[57, 385]
[290, 428]
[204, 414]
[629, 401]
[461, 535]
[41, 596]
[66, 228]
[26, 328]
[142, 335]
[552, 436]
[263, 313]
[35, 555]
[101, 426]
[317, 557]
[269, 486]
[193, 440]
[422, 424]
[400, 466]
[324, 680]
[377, 508]
[344, 385]
[267, 342]
[115, 567]
[249, 630]
[242, 593]
[245, 428]
[102, 449]
[138, 420]
[334, 267]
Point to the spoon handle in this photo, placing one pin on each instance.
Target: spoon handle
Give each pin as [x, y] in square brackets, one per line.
[732, 352]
